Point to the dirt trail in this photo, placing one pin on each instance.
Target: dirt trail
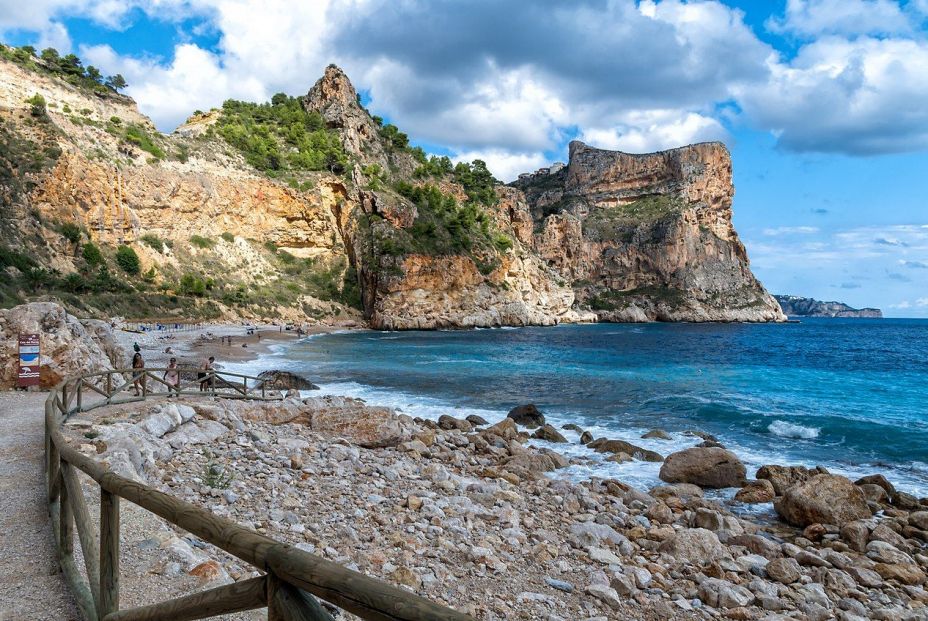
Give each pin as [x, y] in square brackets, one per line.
[31, 587]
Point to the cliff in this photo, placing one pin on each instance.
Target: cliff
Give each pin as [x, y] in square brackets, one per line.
[795, 306]
[646, 237]
[312, 208]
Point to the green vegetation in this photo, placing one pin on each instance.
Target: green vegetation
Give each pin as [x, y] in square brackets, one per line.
[191, 284]
[229, 237]
[611, 299]
[22, 160]
[69, 68]
[153, 241]
[128, 260]
[92, 254]
[140, 138]
[477, 181]
[201, 242]
[619, 221]
[70, 232]
[38, 108]
[281, 136]
[434, 167]
[215, 475]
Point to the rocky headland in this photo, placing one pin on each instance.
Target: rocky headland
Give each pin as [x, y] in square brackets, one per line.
[338, 218]
[796, 306]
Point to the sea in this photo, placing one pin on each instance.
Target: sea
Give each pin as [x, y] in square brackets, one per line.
[848, 394]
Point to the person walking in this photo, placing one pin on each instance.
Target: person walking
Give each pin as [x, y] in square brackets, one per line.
[138, 377]
[172, 378]
[206, 374]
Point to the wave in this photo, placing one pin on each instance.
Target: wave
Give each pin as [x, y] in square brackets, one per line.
[792, 430]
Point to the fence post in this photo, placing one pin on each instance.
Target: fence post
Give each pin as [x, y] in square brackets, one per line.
[109, 386]
[109, 553]
[80, 391]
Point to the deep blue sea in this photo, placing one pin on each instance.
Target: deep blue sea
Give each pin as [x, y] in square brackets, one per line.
[850, 394]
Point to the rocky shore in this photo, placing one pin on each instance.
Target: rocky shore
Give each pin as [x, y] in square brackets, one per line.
[473, 515]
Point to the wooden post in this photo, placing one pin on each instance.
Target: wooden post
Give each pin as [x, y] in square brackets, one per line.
[65, 521]
[287, 603]
[109, 553]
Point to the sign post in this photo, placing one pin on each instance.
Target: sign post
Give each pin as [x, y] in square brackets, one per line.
[29, 365]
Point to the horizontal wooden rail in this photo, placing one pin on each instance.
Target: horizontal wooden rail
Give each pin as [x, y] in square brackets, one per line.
[292, 577]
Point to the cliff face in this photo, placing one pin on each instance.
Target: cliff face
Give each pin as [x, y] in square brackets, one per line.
[795, 306]
[647, 237]
[419, 242]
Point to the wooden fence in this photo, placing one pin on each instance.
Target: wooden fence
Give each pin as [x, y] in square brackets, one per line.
[292, 578]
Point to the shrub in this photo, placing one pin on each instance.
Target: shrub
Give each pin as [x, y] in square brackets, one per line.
[229, 237]
[92, 254]
[70, 232]
[153, 241]
[140, 138]
[192, 285]
[11, 258]
[38, 105]
[128, 260]
[74, 283]
[201, 242]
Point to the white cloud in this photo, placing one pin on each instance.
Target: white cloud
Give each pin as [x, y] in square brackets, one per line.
[642, 131]
[504, 165]
[845, 17]
[790, 230]
[901, 305]
[863, 96]
[921, 302]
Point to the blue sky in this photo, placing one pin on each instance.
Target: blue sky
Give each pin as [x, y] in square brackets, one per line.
[823, 103]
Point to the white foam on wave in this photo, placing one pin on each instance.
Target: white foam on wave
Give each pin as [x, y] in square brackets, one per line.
[792, 430]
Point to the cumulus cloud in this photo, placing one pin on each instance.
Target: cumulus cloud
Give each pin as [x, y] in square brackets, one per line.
[846, 17]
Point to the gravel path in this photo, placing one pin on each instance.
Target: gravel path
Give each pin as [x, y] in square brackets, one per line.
[31, 587]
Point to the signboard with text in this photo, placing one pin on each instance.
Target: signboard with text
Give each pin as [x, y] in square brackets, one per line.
[29, 365]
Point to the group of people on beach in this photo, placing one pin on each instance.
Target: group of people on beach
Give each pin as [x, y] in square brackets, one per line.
[171, 377]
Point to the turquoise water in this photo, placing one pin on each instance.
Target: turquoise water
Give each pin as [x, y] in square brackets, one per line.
[848, 394]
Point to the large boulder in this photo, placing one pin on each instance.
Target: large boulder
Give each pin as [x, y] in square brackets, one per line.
[284, 380]
[527, 416]
[823, 499]
[548, 433]
[695, 545]
[784, 477]
[602, 445]
[68, 346]
[705, 467]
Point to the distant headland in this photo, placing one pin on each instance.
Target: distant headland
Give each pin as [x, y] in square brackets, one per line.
[796, 306]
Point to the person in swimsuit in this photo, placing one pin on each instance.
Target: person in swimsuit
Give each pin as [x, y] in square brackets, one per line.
[138, 378]
[172, 378]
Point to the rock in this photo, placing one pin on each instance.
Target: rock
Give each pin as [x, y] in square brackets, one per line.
[882, 532]
[887, 553]
[68, 346]
[706, 467]
[548, 433]
[824, 499]
[541, 461]
[906, 502]
[620, 458]
[874, 493]
[678, 490]
[783, 477]
[784, 570]
[586, 437]
[449, 423]
[572, 427]
[757, 491]
[602, 445]
[407, 577]
[284, 380]
[856, 534]
[560, 585]
[624, 585]
[476, 421]
[919, 519]
[604, 556]
[207, 571]
[879, 480]
[723, 594]
[586, 534]
[606, 594]
[368, 427]
[904, 573]
[527, 416]
[866, 577]
[657, 434]
[505, 429]
[695, 545]
[758, 545]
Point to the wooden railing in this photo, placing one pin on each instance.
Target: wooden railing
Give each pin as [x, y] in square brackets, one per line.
[291, 577]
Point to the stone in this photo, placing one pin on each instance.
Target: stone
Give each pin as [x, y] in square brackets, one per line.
[904, 573]
[706, 467]
[560, 585]
[368, 427]
[757, 491]
[856, 534]
[476, 421]
[602, 555]
[207, 571]
[572, 427]
[624, 585]
[783, 477]
[606, 594]
[527, 416]
[919, 519]
[879, 480]
[874, 493]
[586, 437]
[723, 594]
[585, 534]
[887, 553]
[882, 532]
[283, 380]
[449, 423]
[865, 577]
[549, 434]
[694, 545]
[657, 434]
[824, 499]
[602, 445]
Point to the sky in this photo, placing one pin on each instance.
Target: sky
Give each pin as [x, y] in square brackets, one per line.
[823, 103]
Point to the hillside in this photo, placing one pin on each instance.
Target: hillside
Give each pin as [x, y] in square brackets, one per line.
[796, 306]
[311, 208]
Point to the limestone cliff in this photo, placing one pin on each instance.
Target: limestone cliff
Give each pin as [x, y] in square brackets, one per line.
[796, 306]
[303, 208]
[646, 237]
